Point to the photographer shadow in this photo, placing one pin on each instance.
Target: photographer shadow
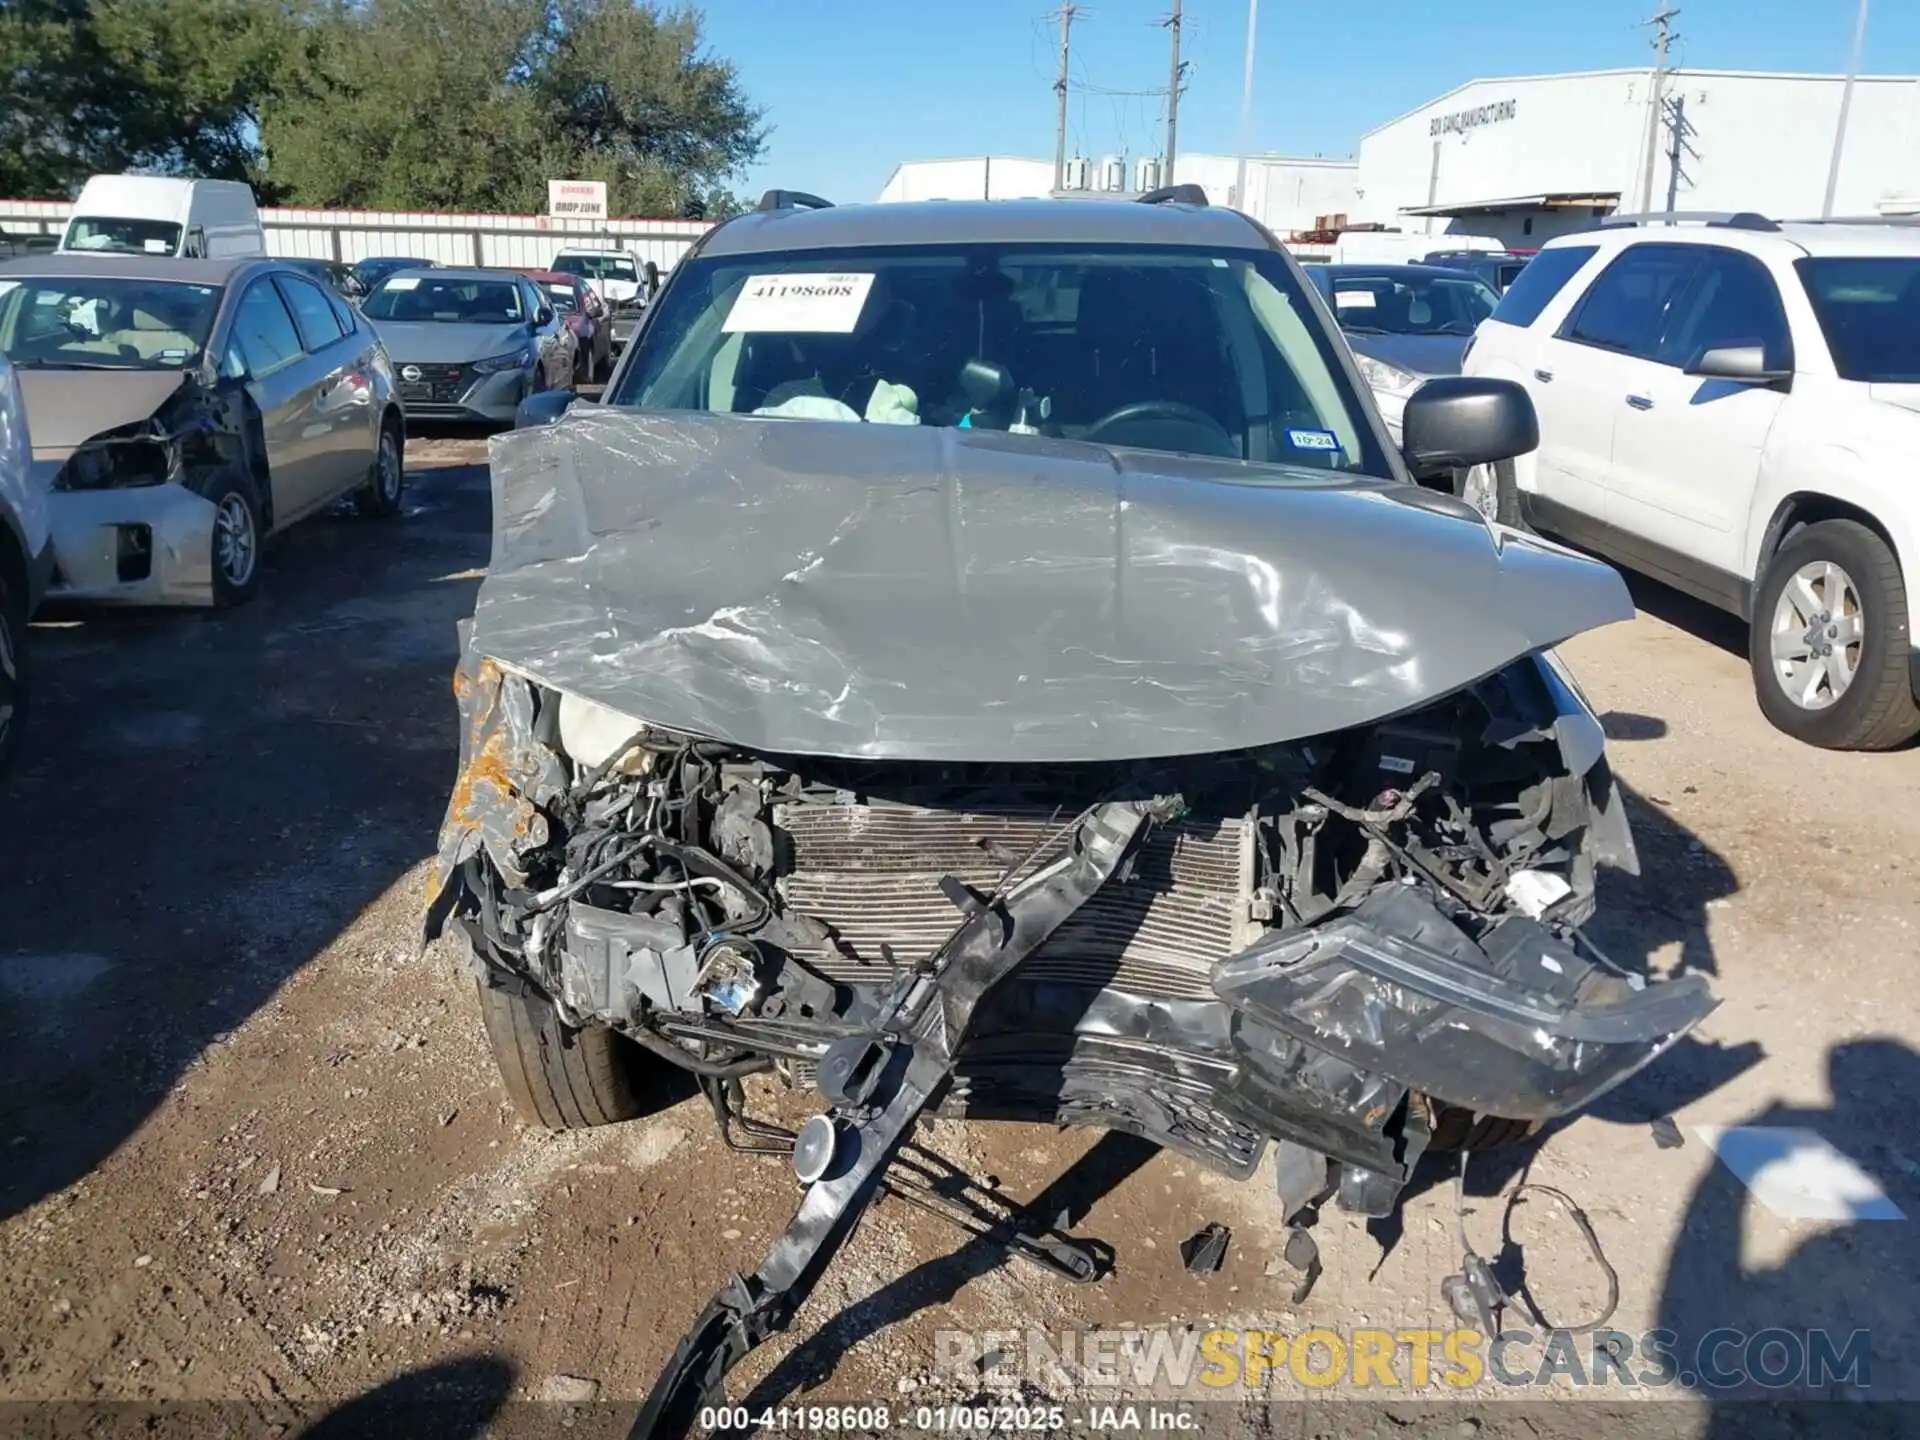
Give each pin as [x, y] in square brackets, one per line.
[1852, 1282]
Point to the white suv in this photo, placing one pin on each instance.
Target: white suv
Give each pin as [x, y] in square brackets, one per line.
[1734, 408]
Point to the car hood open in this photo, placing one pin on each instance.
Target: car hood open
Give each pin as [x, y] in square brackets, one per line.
[906, 592]
[67, 408]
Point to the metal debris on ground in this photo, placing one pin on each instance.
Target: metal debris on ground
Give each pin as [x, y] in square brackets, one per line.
[1205, 1252]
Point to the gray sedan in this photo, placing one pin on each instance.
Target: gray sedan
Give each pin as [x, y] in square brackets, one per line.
[181, 410]
[1406, 325]
[470, 344]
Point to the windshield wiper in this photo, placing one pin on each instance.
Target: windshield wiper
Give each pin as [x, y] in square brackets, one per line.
[1365, 330]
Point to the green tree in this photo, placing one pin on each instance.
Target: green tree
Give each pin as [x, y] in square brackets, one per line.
[382, 104]
[475, 104]
[98, 86]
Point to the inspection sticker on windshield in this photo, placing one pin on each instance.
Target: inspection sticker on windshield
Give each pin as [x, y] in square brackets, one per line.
[820, 304]
[1354, 299]
[404, 282]
[1313, 440]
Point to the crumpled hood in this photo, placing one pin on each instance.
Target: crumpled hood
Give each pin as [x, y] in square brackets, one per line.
[67, 408]
[893, 591]
[430, 342]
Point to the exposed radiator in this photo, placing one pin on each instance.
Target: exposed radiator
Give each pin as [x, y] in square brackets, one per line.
[873, 873]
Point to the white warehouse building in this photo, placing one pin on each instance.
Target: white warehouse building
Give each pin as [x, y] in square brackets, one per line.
[1521, 160]
[1284, 193]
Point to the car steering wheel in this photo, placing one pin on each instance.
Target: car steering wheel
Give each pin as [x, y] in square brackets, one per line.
[1216, 440]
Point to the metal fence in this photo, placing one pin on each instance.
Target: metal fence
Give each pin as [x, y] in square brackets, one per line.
[511, 241]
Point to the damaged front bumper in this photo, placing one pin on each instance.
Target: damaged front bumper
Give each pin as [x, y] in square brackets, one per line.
[136, 545]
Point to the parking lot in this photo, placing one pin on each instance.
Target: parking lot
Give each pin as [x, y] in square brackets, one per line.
[256, 1149]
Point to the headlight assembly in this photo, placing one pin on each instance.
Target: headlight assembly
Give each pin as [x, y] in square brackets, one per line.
[1388, 379]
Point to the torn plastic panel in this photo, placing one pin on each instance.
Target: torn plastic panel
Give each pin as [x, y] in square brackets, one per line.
[803, 587]
[1517, 1024]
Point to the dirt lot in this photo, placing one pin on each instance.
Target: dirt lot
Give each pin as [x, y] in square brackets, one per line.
[252, 1148]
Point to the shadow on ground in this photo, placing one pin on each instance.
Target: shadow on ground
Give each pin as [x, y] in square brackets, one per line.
[1696, 617]
[1830, 1318]
[207, 799]
[453, 1400]
[1099, 1171]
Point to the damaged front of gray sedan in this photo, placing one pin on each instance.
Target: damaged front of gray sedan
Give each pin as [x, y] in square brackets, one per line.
[1225, 802]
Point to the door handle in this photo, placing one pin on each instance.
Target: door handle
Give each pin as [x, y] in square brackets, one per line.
[1640, 402]
[1545, 377]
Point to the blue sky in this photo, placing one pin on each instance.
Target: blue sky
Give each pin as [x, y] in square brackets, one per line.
[853, 87]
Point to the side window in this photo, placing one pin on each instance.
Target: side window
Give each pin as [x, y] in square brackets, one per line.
[343, 312]
[1544, 277]
[319, 326]
[263, 330]
[1626, 310]
[1732, 301]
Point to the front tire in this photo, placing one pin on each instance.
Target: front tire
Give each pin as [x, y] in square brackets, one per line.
[14, 684]
[380, 496]
[1490, 489]
[1456, 1129]
[557, 1076]
[1830, 646]
[237, 535]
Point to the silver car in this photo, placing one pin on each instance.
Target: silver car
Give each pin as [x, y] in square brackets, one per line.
[182, 410]
[470, 344]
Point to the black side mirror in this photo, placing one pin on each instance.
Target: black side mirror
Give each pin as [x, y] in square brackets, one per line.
[1459, 421]
[542, 409]
[1736, 362]
[543, 317]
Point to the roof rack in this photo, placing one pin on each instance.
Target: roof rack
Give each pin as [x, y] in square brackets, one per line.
[792, 200]
[1726, 220]
[1188, 194]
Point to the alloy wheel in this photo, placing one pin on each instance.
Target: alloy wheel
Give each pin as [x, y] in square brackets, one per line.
[9, 673]
[236, 548]
[1816, 635]
[1481, 489]
[388, 475]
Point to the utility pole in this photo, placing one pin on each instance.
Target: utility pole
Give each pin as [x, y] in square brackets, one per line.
[1679, 131]
[1060, 90]
[1662, 24]
[1846, 104]
[1246, 111]
[1173, 91]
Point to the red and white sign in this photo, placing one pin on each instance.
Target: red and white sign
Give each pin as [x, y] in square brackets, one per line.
[577, 199]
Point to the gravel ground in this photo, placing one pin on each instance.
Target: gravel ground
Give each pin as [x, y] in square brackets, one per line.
[253, 1150]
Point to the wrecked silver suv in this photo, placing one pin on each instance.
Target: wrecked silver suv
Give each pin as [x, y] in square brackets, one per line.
[986, 660]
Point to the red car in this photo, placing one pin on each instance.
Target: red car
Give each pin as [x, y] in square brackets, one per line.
[587, 316]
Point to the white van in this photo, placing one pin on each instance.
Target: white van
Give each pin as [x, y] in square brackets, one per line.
[160, 215]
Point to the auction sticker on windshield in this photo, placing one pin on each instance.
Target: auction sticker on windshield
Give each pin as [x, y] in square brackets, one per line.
[818, 304]
[1354, 299]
